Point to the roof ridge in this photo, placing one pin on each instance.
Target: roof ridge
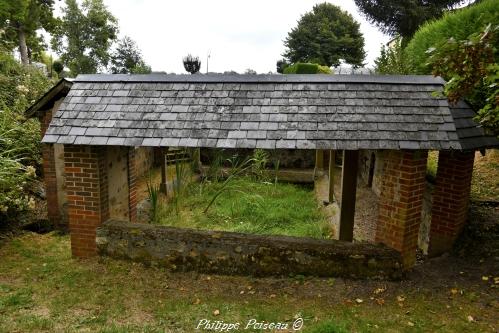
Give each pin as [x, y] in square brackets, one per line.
[262, 78]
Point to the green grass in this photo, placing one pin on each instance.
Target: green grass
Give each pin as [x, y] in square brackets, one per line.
[249, 206]
[49, 291]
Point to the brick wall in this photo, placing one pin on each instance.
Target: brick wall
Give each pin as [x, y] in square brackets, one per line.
[450, 199]
[86, 186]
[49, 173]
[401, 202]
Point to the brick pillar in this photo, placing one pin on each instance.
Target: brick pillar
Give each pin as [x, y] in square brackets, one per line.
[50, 180]
[450, 199]
[86, 184]
[132, 185]
[401, 202]
[49, 174]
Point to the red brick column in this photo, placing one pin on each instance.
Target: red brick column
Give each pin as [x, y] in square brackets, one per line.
[132, 185]
[49, 174]
[450, 199]
[401, 202]
[50, 180]
[87, 193]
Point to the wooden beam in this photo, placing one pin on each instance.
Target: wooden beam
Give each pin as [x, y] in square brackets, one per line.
[332, 155]
[348, 193]
[163, 187]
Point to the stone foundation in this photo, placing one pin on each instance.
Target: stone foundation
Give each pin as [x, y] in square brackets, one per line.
[245, 254]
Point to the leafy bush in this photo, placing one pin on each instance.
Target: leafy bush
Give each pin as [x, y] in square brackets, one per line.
[457, 24]
[306, 68]
[472, 72]
[392, 60]
[20, 154]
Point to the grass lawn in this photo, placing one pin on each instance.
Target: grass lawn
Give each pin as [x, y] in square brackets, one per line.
[248, 206]
[43, 289]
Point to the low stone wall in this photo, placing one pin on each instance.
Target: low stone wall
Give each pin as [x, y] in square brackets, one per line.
[244, 254]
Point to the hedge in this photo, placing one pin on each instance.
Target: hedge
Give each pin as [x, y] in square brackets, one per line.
[307, 68]
[458, 24]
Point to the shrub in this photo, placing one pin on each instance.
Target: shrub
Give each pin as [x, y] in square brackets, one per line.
[307, 68]
[20, 154]
[458, 24]
[392, 60]
[471, 71]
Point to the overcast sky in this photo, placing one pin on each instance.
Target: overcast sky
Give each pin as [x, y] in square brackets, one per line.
[238, 34]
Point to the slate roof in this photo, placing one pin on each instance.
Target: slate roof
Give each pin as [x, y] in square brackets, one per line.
[470, 135]
[256, 111]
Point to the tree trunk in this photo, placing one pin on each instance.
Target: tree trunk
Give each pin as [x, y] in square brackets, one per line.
[23, 49]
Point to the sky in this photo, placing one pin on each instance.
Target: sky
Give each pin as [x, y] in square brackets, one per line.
[237, 34]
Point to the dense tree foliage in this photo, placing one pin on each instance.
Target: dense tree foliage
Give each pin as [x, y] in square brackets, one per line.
[326, 36]
[392, 59]
[403, 17]
[472, 71]
[84, 36]
[127, 58]
[458, 25]
[192, 64]
[20, 86]
[19, 22]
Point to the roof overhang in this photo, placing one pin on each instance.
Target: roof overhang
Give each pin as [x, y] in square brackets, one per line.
[60, 89]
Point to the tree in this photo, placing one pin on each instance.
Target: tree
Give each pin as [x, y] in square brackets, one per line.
[58, 67]
[84, 36]
[127, 58]
[404, 17]
[392, 59]
[325, 36]
[20, 19]
[458, 24]
[281, 66]
[471, 70]
[250, 71]
[192, 64]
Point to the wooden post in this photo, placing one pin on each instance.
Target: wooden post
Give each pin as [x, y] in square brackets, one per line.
[331, 175]
[348, 193]
[163, 186]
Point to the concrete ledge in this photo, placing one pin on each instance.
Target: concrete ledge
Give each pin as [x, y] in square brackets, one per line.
[245, 254]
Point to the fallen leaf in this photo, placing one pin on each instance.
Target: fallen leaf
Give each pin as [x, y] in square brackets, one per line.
[358, 300]
[380, 301]
[454, 291]
[272, 296]
[379, 290]
[197, 301]
[216, 312]
[410, 323]
[400, 298]
[470, 319]
[241, 292]
[485, 278]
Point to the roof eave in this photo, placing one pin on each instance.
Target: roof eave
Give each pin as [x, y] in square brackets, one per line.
[61, 88]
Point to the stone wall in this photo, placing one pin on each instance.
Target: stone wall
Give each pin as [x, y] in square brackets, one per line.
[372, 161]
[235, 253]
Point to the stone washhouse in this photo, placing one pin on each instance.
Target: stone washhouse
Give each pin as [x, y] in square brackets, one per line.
[100, 131]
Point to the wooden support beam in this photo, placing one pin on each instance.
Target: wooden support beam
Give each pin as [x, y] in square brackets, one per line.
[332, 155]
[163, 188]
[348, 193]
